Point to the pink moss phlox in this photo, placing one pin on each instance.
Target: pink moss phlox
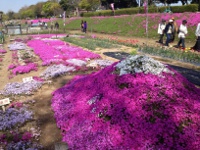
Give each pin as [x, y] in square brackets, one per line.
[16, 105]
[2, 51]
[42, 36]
[38, 78]
[106, 111]
[42, 20]
[57, 52]
[27, 136]
[24, 68]
[12, 66]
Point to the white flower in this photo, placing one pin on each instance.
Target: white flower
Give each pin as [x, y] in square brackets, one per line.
[76, 62]
[99, 63]
[56, 70]
[139, 63]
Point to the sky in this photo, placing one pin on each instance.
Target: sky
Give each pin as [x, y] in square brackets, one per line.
[16, 5]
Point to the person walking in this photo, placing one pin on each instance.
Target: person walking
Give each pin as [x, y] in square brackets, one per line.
[82, 25]
[161, 28]
[56, 26]
[46, 25]
[51, 26]
[182, 31]
[168, 32]
[174, 29]
[196, 47]
[85, 27]
[26, 26]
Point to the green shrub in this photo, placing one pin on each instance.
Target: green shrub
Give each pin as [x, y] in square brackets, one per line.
[135, 10]
[127, 11]
[185, 56]
[185, 8]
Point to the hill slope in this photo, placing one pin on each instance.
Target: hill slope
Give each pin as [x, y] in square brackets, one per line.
[137, 103]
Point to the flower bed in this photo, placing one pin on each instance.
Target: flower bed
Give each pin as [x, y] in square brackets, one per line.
[146, 108]
[42, 36]
[13, 117]
[56, 51]
[19, 88]
[17, 46]
[12, 136]
[25, 68]
[99, 63]
[2, 51]
[42, 20]
[56, 70]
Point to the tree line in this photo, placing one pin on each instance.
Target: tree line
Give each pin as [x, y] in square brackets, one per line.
[56, 7]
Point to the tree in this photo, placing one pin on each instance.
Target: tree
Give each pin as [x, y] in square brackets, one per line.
[38, 9]
[26, 12]
[174, 1]
[196, 2]
[69, 5]
[84, 4]
[10, 14]
[51, 8]
[64, 5]
[89, 4]
[119, 3]
[94, 4]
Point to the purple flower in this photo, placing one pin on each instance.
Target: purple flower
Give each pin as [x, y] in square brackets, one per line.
[132, 111]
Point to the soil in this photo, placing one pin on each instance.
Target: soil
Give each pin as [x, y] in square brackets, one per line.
[43, 114]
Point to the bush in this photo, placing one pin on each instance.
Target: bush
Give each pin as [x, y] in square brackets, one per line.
[127, 11]
[135, 10]
[186, 8]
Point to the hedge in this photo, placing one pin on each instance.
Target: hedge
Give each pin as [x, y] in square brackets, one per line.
[135, 10]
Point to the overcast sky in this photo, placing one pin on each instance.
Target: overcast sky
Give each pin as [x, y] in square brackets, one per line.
[15, 5]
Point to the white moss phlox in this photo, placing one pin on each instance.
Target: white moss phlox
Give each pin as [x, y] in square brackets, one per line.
[139, 64]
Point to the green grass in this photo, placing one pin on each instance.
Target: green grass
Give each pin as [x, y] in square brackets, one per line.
[91, 43]
[129, 25]
[180, 55]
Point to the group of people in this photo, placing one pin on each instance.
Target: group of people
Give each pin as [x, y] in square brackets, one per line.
[84, 26]
[170, 29]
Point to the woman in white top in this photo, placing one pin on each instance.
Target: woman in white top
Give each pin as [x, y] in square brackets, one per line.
[182, 31]
[161, 28]
[197, 44]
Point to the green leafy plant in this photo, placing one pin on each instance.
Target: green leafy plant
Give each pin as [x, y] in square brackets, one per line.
[91, 43]
[180, 55]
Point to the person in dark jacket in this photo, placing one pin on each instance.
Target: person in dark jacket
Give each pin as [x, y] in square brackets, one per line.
[174, 29]
[196, 47]
[85, 27]
[56, 26]
[168, 31]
